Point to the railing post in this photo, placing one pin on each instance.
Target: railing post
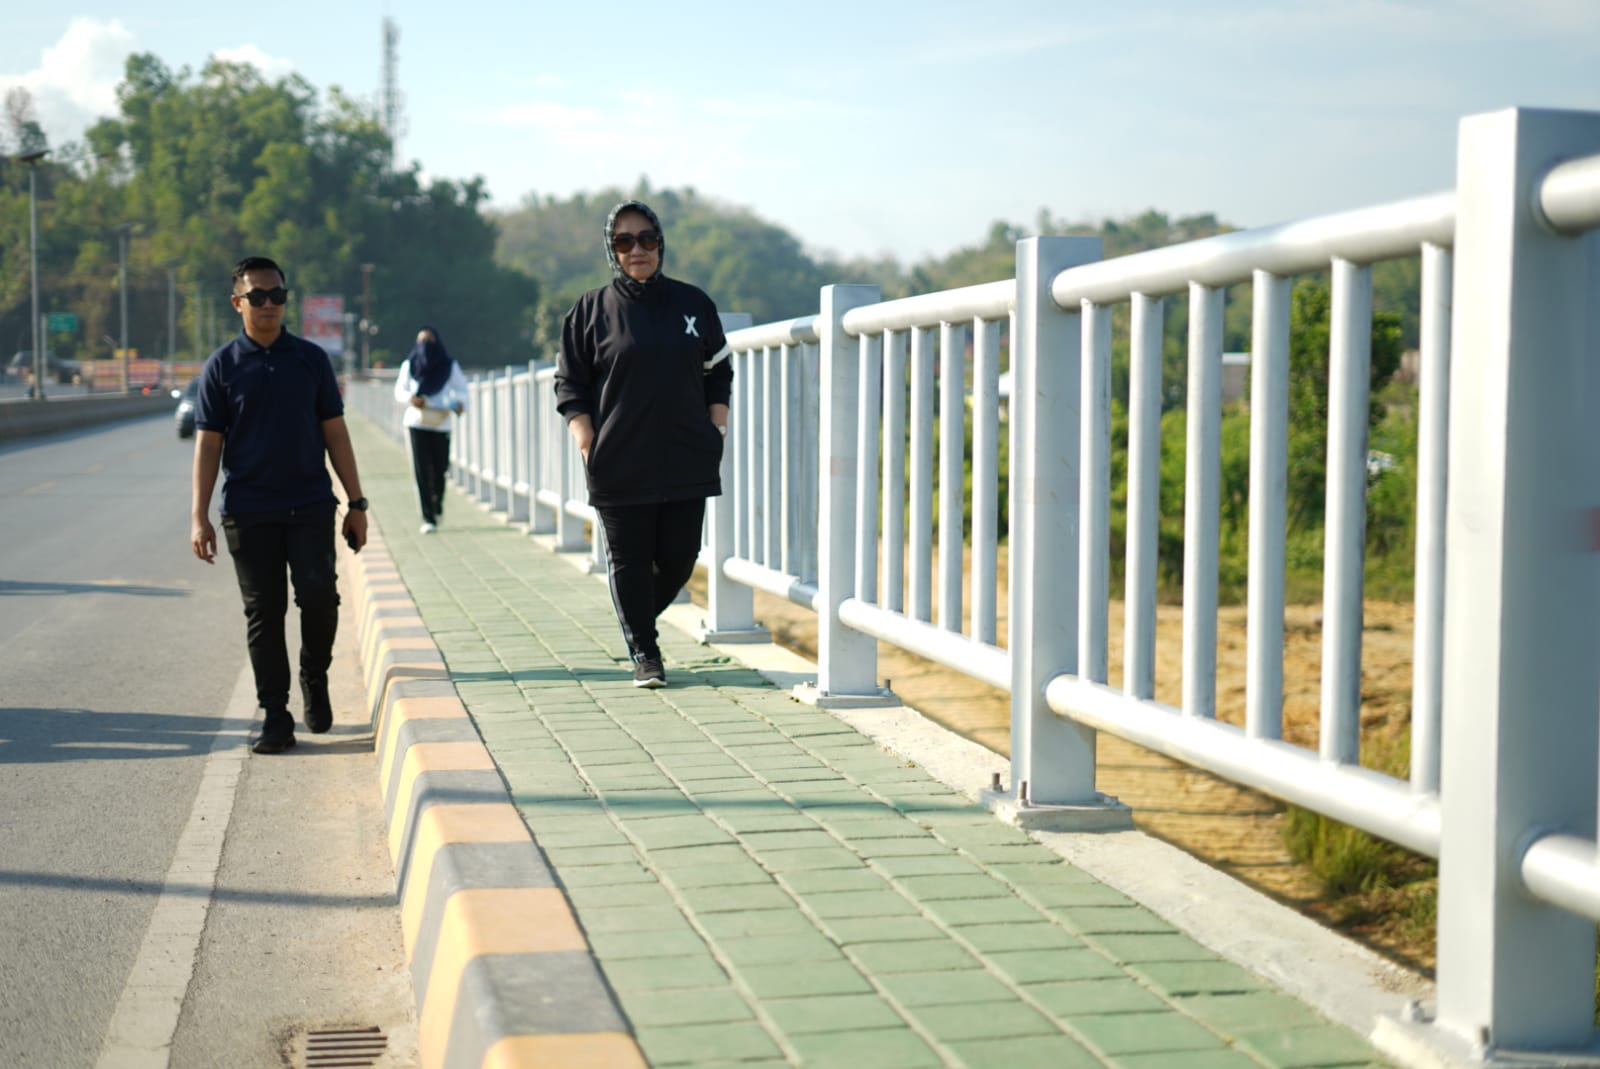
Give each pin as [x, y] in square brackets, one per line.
[730, 606]
[520, 505]
[1052, 758]
[543, 421]
[847, 660]
[1522, 591]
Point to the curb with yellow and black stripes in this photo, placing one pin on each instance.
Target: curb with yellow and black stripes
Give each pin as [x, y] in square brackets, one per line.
[504, 976]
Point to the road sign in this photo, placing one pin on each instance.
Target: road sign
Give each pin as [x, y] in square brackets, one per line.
[322, 321]
[63, 323]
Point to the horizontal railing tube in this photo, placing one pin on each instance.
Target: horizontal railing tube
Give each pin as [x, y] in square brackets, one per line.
[1366, 236]
[1564, 871]
[789, 587]
[991, 300]
[1569, 196]
[773, 335]
[987, 664]
[1371, 801]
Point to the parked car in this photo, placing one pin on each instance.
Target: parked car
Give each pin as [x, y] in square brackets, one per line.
[66, 372]
[184, 416]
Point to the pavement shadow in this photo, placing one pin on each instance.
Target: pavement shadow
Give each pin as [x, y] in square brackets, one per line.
[30, 736]
[47, 587]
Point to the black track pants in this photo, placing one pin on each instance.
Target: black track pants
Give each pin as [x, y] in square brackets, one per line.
[653, 550]
[264, 547]
[430, 460]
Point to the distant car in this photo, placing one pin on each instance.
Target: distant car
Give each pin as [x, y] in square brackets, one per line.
[184, 416]
[66, 372]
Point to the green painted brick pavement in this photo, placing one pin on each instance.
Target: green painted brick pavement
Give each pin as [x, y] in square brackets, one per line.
[762, 885]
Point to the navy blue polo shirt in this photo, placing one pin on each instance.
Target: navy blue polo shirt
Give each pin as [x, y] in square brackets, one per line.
[269, 405]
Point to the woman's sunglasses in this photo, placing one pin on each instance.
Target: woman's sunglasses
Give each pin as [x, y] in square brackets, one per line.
[648, 240]
[257, 298]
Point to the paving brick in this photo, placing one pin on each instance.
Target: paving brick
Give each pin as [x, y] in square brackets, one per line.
[1254, 1011]
[874, 849]
[805, 978]
[1035, 936]
[565, 857]
[1027, 1052]
[1088, 998]
[830, 1013]
[912, 956]
[659, 974]
[938, 888]
[696, 856]
[1143, 1033]
[958, 911]
[622, 894]
[632, 919]
[787, 949]
[694, 1005]
[983, 1020]
[745, 872]
[761, 842]
[879, 1048]
[926, 865]
[1113, 920]
[1304, 1048]
[755, 922]
[821, 880]
[721, 899]
[705, 1043]
[831, 905]
[850, 930]
[949, 985]
[1041, 966]
[785, 861]
[665, 833]
[1173, 978]
[1192, 1059]
[625, 946]
[1142, 948]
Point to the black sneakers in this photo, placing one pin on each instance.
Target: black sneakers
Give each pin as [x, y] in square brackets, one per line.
[648, 672]
[277, 733]
[318, 711]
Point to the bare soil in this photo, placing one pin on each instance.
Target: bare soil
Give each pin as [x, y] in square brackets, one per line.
[1233, 829]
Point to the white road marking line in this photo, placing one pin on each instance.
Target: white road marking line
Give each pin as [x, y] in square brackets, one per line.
[146, 1018]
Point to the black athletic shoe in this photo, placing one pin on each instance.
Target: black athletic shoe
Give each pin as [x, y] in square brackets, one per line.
[277, 734]
[647, 672]
[318, 711]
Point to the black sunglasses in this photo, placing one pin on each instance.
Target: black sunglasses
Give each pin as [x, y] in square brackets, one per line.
[648, 240]
[257, 298]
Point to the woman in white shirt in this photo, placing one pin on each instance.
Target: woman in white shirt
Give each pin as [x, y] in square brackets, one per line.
[434, 391]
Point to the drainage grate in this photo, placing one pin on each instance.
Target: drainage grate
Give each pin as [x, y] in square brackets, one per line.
[344, 1048]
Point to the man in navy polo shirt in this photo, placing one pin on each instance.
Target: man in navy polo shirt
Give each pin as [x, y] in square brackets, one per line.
[267, 414]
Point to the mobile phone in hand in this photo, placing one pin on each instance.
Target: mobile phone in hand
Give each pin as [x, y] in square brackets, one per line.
[350, 540]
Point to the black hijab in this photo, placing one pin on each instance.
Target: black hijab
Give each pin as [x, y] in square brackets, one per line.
[430, 363]
[633, 287]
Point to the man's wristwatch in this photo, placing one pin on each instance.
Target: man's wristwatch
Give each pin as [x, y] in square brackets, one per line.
[359, 504]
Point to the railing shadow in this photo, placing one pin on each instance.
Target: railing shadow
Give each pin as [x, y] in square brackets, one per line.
[31, 736]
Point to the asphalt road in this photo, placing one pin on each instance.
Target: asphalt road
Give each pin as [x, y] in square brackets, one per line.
[125, 704]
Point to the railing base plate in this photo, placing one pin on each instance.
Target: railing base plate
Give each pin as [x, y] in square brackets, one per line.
[1105, 814]
[741, 636]
[879, 698]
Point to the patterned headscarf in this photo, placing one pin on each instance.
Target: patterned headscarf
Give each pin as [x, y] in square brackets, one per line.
[633, 286]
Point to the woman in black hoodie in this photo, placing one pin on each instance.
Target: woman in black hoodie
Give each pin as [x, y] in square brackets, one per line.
[644, 382]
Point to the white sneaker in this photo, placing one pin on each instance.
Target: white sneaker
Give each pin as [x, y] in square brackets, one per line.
[428, 528]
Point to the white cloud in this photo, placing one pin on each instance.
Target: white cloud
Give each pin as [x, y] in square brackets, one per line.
[76, 81]
[272, 68]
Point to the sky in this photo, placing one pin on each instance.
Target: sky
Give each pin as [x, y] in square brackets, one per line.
[877, 127]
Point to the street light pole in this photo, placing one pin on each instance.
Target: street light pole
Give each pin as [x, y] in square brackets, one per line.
[32, 160]
[122, 263]
[366, 316]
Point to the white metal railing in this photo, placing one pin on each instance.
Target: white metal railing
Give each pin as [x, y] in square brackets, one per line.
[833, 492]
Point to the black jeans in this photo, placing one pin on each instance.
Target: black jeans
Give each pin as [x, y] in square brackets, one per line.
[430, 460]
[264, 545]
[653, 549]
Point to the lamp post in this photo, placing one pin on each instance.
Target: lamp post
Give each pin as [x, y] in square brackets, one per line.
[32, 160]
[366, 316]
[122, 275]
[172, 311]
